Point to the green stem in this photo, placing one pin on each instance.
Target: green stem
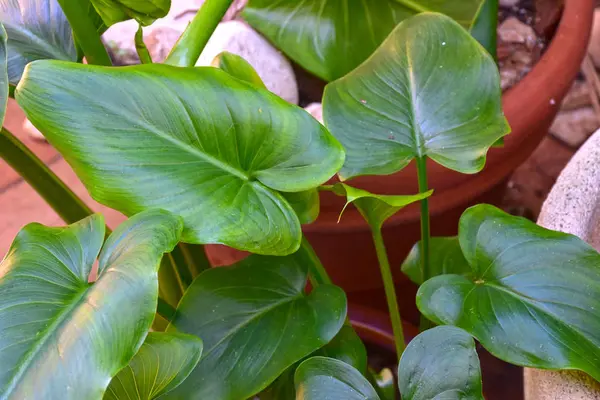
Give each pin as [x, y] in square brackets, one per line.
[66, 204]
[170, 287]
[316, 271]
[85, 32]
[181, 266]
[165, 310]
[188, 48]
[195, 258]
[390, 290]
[425, 235]
[140, 47]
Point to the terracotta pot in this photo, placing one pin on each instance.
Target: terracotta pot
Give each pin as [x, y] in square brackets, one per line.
[346, 248]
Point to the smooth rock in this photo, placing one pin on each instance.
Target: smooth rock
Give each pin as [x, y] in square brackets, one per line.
[575, 126]
[514, 31]
[577, 97]
[316, 110]
[594, 46]
[272, 67]
[33, 131]
[508, 3]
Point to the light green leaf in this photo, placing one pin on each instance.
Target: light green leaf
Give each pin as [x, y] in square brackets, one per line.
[143, 11]
[255, 321]
[161, 364]
[376, 209]
[445, 255]
[36, 30]
[194, 141]
[305, 204]
[3, 75]
[533, 298]
[320, 377]
[429, 90]
[331, 37]
[236, 66]
[440, 364]
[63, 338]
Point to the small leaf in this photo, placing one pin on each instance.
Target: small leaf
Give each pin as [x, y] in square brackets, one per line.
[143, 11]
[376, 209]
[63, 338]
[237, 67]
[446, 257]
[36, 30]
[214, 149]
[440, 363]
[161, 364]
[255, 321]
[429, 90]
[320, 377]
[532, 298]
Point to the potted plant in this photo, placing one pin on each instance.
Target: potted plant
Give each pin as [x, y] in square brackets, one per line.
[206, 155]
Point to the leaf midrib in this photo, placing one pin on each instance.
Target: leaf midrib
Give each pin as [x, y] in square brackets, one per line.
[39, 41]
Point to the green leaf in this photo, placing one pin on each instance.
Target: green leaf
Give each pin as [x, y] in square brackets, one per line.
[63, 338]
[143, 11]
[485, 26]
[330, 37]
[255, 321]
[376, 209]
[3, 75]
[440, 363]
[533, 298]
[429, 90]
[236, 66]
[320, 377]
[305, 204]
[140, 47]
[161, 364]
[36, 30]
[214, 149]
[445, 257]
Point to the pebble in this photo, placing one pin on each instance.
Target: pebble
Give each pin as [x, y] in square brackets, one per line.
[575, 126]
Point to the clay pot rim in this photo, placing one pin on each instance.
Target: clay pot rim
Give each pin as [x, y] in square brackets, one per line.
[574, 27]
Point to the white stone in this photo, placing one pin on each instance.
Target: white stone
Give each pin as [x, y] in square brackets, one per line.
[594, 46]
[508, 3]
[575, 126]
[273, 68]
[514, 31]
[316, 110]
[33, 131]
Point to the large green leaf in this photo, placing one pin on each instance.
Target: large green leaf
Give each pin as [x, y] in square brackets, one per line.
[331, 37]
[143, 11]
[445, 256]
[161, 364]
[255, 321]
[194, 141]
[429, 90]
[534, 295]
[36, 29]
[322, 378]
[442, 364]
[63, 338]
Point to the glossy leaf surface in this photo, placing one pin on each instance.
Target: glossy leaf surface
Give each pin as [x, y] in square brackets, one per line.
[255, 321]
[376, 209]
[429, 90]
[236, 66]
[533, 298]
[63, 338]
[143, 11]
[331, 37]
[161, 364]
[321, 377]
[442, 364]
[37, 30]
[194, 141]
[445, 257]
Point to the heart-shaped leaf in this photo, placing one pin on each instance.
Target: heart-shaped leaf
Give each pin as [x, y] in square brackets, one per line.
[37, 30]
[440, 363]
[194, 141]
[63, 338]
[375, 208]
[445, 257]
[330, 38]
[143, 11]
[161, 364]
[321, 377]
[255, 321]
[236, 66]
[533, 298]
[429, 90]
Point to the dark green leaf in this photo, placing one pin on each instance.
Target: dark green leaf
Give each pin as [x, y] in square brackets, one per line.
[319, 377]
[161, 364]
[442, 364]
[194, 141]
[533, 298]
[376, 209]
[37, 30]
[330, 38]
[63, 338]
[255, 321]
[305, 204]
[445, 257]
[429, 90]
[143, 11]
[236, 66]
[485, 26]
